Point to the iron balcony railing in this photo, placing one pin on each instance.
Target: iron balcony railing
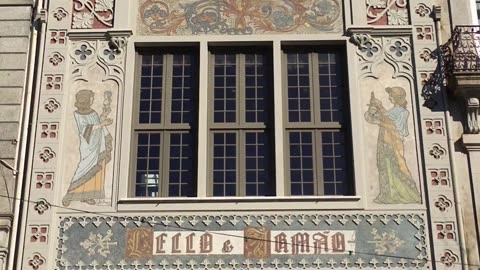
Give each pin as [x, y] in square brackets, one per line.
[466, 48]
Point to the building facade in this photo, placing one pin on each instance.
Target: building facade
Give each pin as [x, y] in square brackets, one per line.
[198, 134]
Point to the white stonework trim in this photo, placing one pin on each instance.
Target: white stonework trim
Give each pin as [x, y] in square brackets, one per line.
[279, 124]
[455, 186]
[384, 31]
[243, 204]
[473, 11]
[16, 2]
[202, 173]
[27, 167]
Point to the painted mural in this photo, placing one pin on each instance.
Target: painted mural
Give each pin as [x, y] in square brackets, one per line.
[238, 17]
[395, 180]
[269, 241]
[95, 149]
[89, 140]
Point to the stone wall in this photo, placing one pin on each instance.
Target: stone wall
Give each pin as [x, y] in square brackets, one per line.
[15, 30]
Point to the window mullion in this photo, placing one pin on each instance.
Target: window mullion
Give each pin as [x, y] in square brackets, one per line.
[205, 119]
[241, 169]
[314, 89]
[318, 163]
[240, 89]
[167, 89]
[280, 109]
[164, 164]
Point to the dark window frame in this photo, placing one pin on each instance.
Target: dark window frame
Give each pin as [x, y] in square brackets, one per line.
[166, 127]
[241, 127]
[315, 125]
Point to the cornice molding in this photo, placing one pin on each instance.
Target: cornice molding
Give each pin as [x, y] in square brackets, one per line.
[381, 30]
[471, 142]
[4, 3]
[98, 34]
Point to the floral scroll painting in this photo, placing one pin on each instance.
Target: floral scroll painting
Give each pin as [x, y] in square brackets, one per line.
[238, 17]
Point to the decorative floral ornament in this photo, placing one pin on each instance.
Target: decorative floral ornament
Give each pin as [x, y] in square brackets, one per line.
[60, 13]
[41, 206]
[36, 261]
[56, 59]
[89, 14]
[387, 12]
[96, 243]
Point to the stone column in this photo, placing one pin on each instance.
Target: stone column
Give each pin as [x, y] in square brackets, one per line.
[471, 142]
[5, 225]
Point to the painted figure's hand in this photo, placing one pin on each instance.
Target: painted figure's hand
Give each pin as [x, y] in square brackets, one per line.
[106, 122]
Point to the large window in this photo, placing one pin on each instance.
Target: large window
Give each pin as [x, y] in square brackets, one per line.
[165, 124]
[316, 122]
[234, 121]
[241, 124]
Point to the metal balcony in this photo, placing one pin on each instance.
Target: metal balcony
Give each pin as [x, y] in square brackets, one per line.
[466, 49]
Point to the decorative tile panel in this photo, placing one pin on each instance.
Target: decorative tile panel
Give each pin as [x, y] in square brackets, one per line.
[243, 241]
[387, 12]
[92, 14]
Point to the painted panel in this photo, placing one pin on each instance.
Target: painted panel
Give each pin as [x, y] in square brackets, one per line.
[238, 17]
[308, 241]
[386, 81]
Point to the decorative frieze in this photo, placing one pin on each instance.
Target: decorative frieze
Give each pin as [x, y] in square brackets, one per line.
[36, 262]
[41, 206]
[243, 17]
[445, 231]
[54, 83]
[283, 241]
[437, 151]
[59, 14]
[387, 12]
[58, 37]
[44, 180]
[424, 33]
[39, 234]
[440, 178]
[434, 127]
[423, 10]
[56, 59]
[93, 14]
[49, 131]
[449, 258]
[46, 155]
[51, 105]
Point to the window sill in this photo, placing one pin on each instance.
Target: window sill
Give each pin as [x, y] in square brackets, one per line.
[241, 203]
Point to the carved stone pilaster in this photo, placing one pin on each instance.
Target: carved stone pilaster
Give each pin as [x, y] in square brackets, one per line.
[473, 106]
[467, 86]
[3, 258]
[5, 225]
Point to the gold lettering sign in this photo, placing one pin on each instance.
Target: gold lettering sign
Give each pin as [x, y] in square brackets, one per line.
[257, 242]
[139, 243]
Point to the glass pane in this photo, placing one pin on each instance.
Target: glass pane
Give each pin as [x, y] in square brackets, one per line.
[183, 81]
[334, 163]
[298, 82]
[301, 163]
[181, 166]
[151, 89]
[330, 72]
[256, 88]
[224, 164]
[225, 88]
[258, 180]
[148, 164]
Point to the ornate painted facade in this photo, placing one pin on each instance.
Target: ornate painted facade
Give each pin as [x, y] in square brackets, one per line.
[409, 79]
